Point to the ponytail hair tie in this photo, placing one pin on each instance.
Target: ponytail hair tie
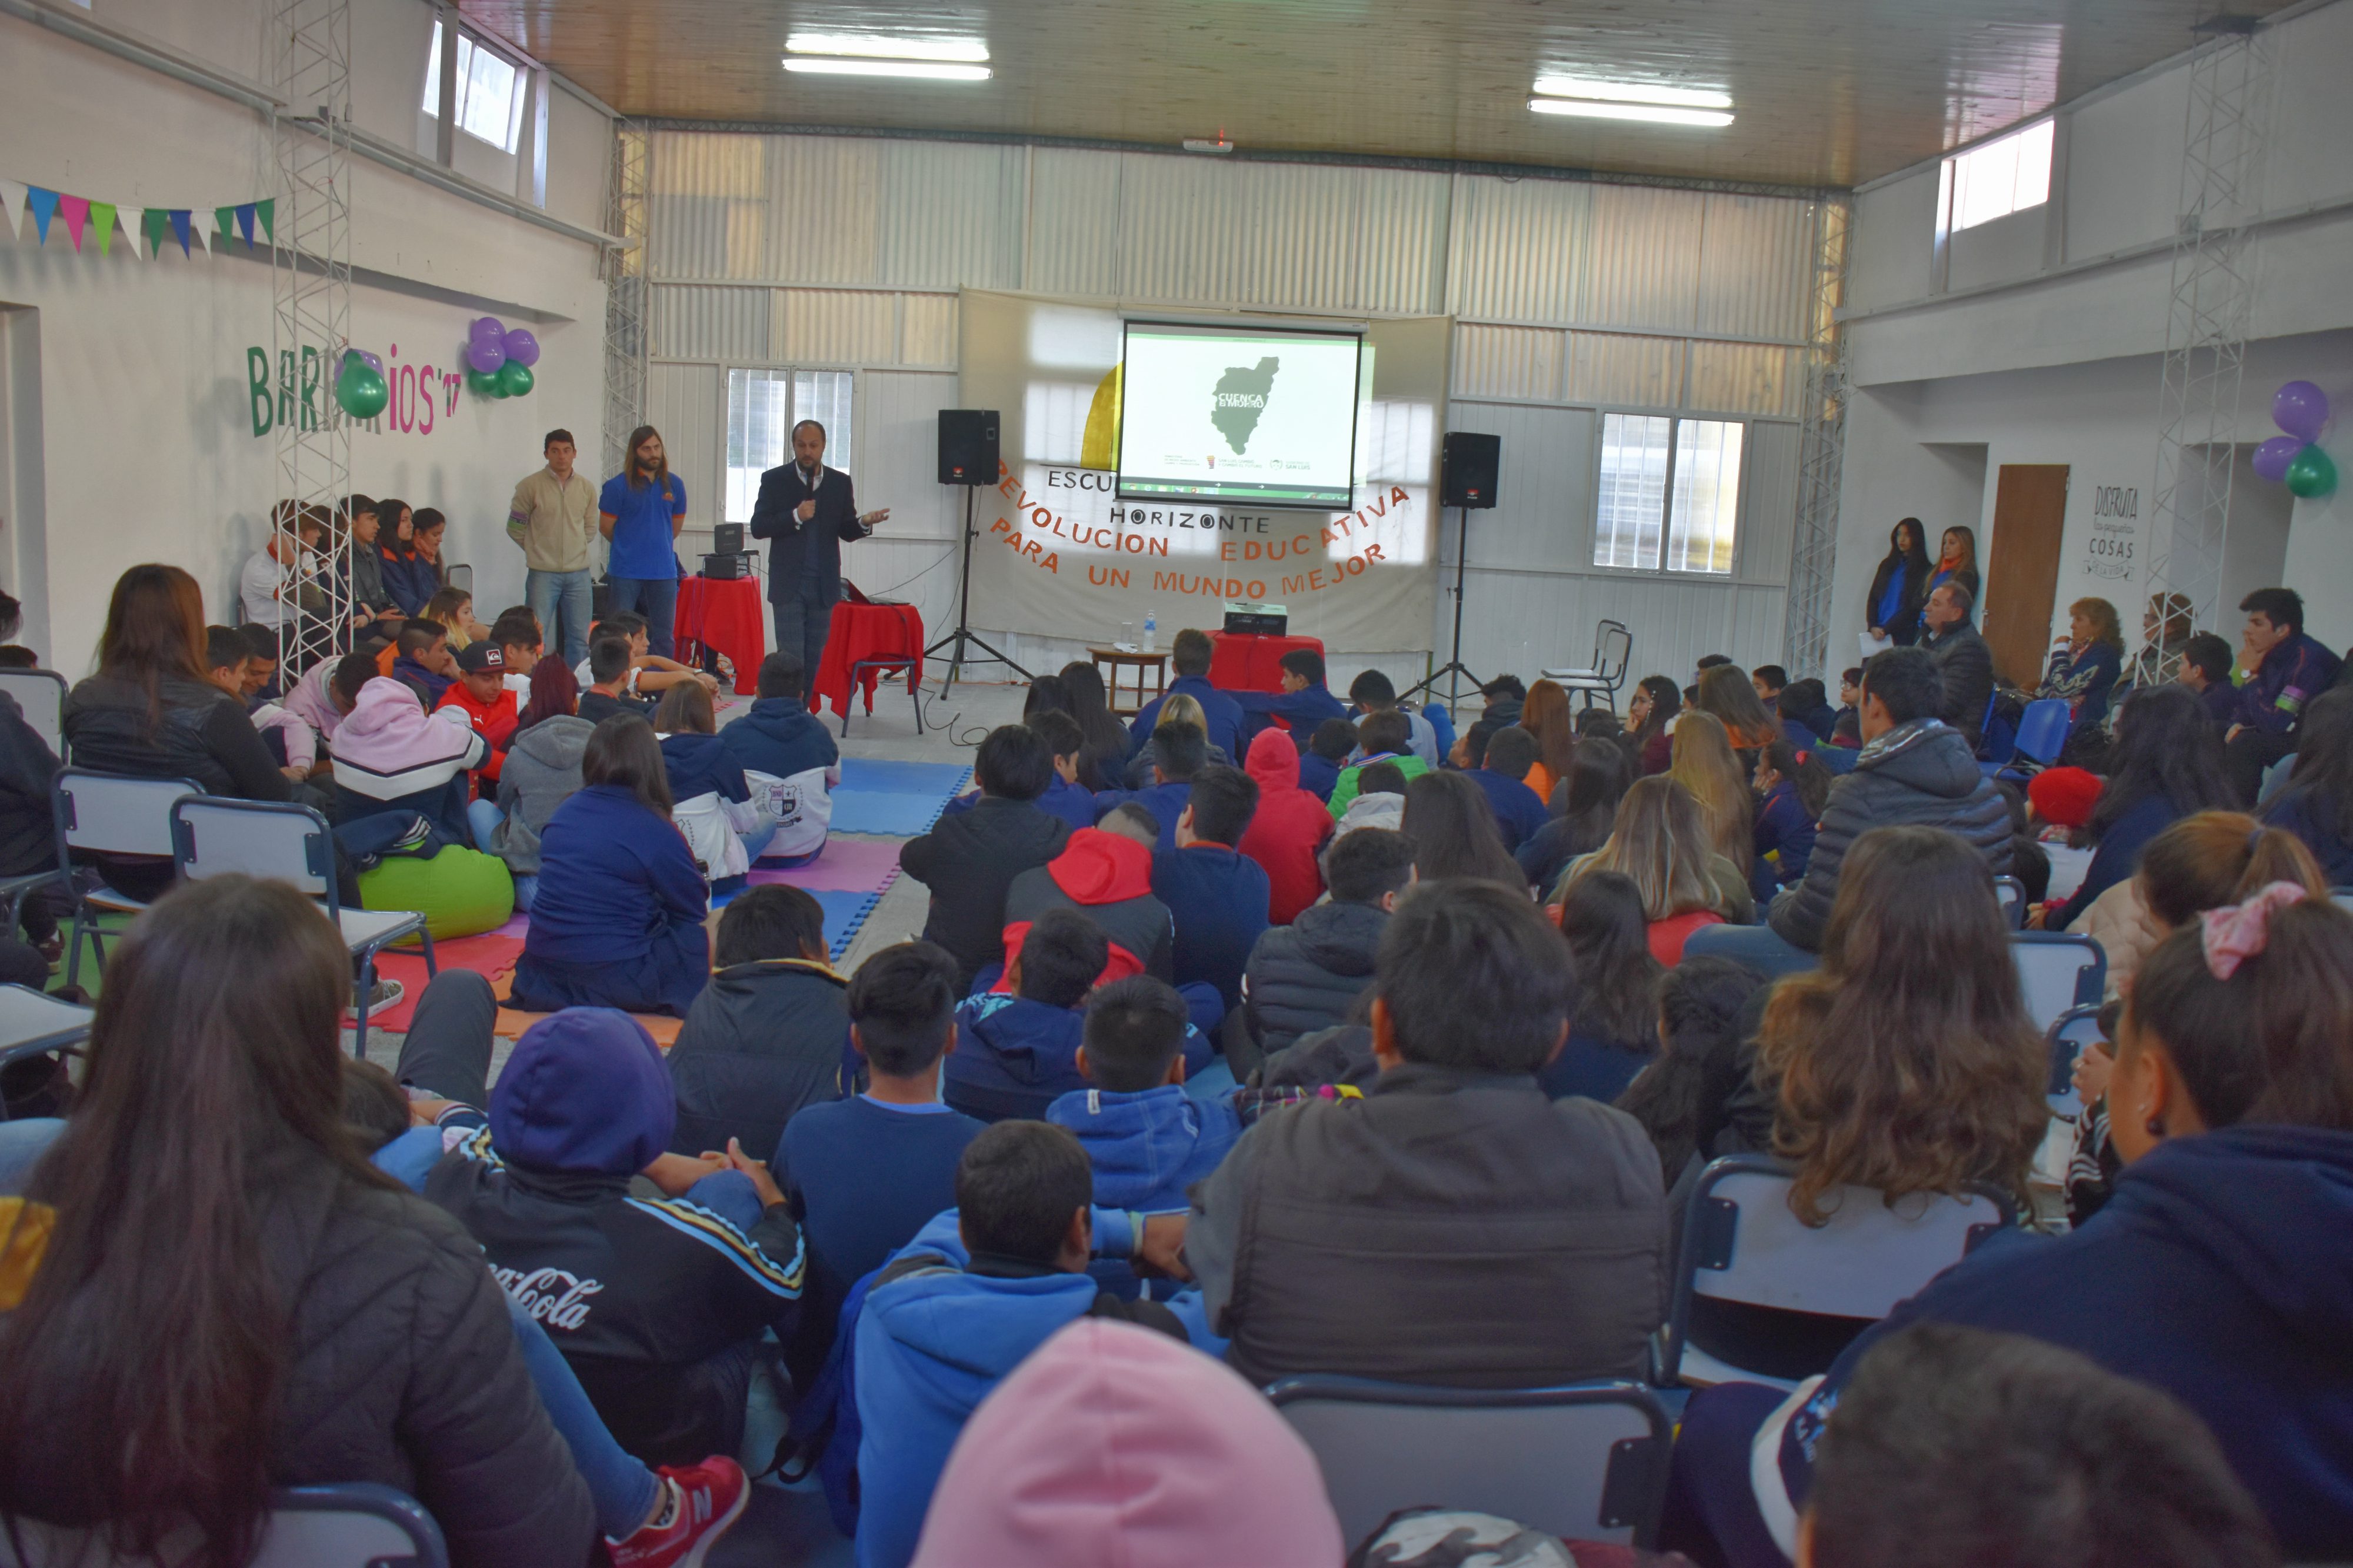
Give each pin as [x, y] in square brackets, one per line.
[2232, 934]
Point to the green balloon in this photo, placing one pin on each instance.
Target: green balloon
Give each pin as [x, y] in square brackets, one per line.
[2311, 473]
[361, 392]
[515, 379]
[481, 384]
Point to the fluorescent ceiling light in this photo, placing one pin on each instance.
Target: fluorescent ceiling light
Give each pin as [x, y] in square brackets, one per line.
[1654, 113]
[925, 69]
[870, 45]
[1631, 92]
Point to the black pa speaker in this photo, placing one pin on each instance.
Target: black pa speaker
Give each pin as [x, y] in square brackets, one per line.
[727, 539]
[1468, 470]
[967, 446]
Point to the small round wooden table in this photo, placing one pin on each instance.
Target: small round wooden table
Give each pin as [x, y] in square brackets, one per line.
[1155, 665]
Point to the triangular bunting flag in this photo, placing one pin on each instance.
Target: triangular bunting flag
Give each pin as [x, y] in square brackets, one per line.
[245, 222]
[151, 224]
[266, 211]
[77, 214]
[206, 235]
[227, 218]
[11, 206]
[101, 220]
[179, 219]
[45, 207]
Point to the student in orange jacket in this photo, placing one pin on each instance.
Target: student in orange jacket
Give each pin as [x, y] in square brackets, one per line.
[480, 693]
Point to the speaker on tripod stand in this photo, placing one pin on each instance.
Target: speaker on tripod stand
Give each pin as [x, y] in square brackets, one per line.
[967, 457]
[1468, 470]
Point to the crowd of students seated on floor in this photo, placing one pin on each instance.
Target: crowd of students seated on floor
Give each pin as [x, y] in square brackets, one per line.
[1201, 1076]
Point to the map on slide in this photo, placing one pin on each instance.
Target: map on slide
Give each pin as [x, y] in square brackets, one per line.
[1240, 399]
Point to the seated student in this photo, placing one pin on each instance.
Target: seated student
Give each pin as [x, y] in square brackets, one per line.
[393, 757]
[1604, 771]
[2206, 670]
[1455, 832]
[1953, 1446]
[375, 616]
[2166, 764]
[424, 659]
[1178, 709]
[1616, 1033]
[790, 764]
[454, 608]
[1659, 840]
[2317, 805]
[2284, 669]
[541, 771]
[1106, 873]
[1221, 716]
[617, 921]
[650, 674]
[1147, 1140]
[1381, 737]
[960, 1306]
[260, 682]
[655, 1303]
[1373, 692]
[1288, 830]
[1111, 1445]
[1066, 797]
[969, 860]
[291, 744]
[713, 804]
[1849, 714]
[1328, 750]
[1806, 714]
[1791, 795]
[1178, 753]
[1217, 897]
[1504, 698]
[1302, 704]
[1501, 772]
[1307, 975]
[1016, 1048]
[217, 1315]
[28, 846]
[1768, 680]
[1379, 802]
[518, 636]
[327, 692]
[280, 576]
[2233, 1096]
[766, 1037]
[1454, 1226]
[480, 694]
[606, 695]
[866, 1173]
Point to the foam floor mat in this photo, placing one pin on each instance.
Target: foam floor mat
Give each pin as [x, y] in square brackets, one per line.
[845, 911]
[846, 866]
[898, 800]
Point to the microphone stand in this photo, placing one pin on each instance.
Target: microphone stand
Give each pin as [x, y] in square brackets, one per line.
[964, 635]
[1454, 668]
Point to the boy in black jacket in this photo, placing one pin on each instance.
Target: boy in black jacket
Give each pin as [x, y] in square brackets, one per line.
[970, 860]
[766, 1037]
[656, 1302]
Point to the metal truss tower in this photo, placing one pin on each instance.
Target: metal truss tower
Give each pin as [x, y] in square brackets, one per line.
[626, 187]
[311, 44]
[1821, 451]
[2212, 306]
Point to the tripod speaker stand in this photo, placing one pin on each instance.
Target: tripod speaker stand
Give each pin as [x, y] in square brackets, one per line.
[963, 637]
[1468, 470]
[1453, 670]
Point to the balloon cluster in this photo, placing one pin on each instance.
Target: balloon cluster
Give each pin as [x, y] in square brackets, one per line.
[2301, 409]
[361, 390]
[499, 359]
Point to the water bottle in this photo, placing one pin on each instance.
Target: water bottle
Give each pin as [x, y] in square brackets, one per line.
[1151, 633]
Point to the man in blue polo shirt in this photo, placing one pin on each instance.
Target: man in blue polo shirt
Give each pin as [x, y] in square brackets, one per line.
[641, 512]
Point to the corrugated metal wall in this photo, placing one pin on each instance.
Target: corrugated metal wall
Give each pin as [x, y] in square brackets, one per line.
[1571, 298]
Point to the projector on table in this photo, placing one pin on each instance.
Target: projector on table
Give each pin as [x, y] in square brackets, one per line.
[1256, 620]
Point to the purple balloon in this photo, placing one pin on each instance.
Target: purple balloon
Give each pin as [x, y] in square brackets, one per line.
[485, 329]
[521, 347]
[374, 362]
[2301, 409]
[485, 356]
[2274, 456]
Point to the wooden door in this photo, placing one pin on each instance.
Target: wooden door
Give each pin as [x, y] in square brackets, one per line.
[2029, 516]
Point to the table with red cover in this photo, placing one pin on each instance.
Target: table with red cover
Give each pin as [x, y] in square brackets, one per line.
[1248, 662]
[726, 615]
[859, 633]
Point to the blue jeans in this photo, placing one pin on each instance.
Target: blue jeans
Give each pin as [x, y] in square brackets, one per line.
[621, 1487]
[656, 598]
[483, 817]
[802, 621]
[562, 601]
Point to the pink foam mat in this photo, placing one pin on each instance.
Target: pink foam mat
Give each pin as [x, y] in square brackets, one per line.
[846, 866]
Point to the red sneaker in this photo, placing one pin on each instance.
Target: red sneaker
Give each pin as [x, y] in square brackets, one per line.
[705, 1502]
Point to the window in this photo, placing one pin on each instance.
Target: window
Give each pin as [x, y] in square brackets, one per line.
[490, 92]
[763, 407]
[1667, 482]
[2001, 177]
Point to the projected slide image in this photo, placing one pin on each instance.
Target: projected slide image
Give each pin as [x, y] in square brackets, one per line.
[1212, 414]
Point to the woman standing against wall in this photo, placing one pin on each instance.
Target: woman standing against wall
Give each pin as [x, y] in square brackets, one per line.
[1900, 587]
[1957, 562]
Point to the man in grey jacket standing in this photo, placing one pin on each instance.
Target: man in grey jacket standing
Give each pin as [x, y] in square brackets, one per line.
[1454, 1226]
[1963, 660]
[554, 518]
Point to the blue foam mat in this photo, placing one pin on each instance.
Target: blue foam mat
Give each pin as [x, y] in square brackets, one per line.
[897, 799]
[844, 914]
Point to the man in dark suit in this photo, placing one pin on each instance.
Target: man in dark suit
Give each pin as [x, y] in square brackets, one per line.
[807, 510]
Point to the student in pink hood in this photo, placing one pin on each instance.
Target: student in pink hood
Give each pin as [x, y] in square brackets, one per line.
[1113, 1443]
[1288, 829]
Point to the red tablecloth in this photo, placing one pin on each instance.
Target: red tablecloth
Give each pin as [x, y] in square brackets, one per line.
[727, 616]
[1250, 663]
[859, 633]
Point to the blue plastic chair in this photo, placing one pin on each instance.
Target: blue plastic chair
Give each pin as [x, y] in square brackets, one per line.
[2059, 971]
[2074, 1029]
[353, 1525]
[2042, 733]
[1584, 1461]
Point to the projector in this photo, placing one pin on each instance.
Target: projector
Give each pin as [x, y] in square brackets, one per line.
[727, 568]
[1256, 620]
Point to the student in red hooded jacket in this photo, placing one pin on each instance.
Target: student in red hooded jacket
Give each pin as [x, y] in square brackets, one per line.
[1286, 833]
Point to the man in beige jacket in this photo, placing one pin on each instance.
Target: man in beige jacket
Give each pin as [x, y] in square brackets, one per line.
[554, 518]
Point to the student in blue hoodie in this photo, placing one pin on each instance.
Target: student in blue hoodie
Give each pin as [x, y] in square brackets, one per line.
[1327, 752]
[1303, 702]
[1215, 894]
[983, 1286]
[1790, 796]
[2220, 1270]
[1180, 751]
[1020, 1044]
[1190, 655]
[790, 763]
[1066, 797]
[1502, 774]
